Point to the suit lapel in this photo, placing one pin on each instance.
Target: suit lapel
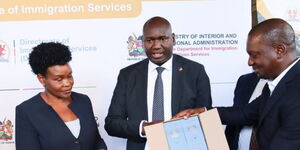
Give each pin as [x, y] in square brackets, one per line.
[75, 106]
[250, 88]
[141, 82]
[55, 123]
[177, 83]
[278, 92]
[275, 97]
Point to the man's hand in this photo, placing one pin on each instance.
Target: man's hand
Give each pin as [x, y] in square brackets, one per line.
[148, 124]
[188, 112]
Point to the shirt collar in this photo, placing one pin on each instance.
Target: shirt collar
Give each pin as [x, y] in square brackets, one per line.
[273, 84]
[167, 65]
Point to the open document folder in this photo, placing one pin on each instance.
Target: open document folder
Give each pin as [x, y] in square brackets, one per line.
[200, 132]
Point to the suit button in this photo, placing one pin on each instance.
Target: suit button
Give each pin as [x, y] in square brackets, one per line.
[76, 142]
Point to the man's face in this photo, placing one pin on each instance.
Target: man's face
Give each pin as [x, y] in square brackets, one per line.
[158, 42]
[262, 58]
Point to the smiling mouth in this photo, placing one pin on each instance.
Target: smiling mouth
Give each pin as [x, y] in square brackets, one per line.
[256, 70]
[157, 55]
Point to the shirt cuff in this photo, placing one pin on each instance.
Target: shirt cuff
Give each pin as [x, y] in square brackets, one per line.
[141, 129]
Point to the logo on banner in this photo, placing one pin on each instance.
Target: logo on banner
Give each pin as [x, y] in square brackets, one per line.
[4, 52]
[135, 46]
[6, 130]
[292, 14]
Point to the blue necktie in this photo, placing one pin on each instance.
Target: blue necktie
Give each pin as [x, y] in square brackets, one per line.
[158, 98]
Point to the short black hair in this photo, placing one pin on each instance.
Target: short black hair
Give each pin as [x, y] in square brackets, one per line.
[156, 19]
[49, 54]
[275, 31]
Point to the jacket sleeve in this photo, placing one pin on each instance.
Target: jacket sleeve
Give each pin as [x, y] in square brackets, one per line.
[232, 131]
[203, 89]
[117, 122]
[236, 116]
[26, 135]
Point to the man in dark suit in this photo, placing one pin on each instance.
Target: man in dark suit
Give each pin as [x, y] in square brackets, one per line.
[249, 87]
[185, 85]
[272, 54]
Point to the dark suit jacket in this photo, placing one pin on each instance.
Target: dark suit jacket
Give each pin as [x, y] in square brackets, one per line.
[242, 94]
[38, 126]
[190, 89]
[277, 121]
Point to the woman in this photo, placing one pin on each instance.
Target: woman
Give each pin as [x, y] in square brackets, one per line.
[56, 119]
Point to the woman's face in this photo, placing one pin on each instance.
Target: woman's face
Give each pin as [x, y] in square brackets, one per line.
[58, 81]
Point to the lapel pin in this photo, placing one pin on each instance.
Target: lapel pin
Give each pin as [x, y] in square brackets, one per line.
[180, 69]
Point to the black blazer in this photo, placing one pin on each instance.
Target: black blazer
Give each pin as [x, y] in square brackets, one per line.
[242, 94]
[277, 121]
[190, 89]
[38, 126]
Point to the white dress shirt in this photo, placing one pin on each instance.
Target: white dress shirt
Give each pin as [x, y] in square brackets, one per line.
[167, 87]
[273, 84]
[74, 127]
